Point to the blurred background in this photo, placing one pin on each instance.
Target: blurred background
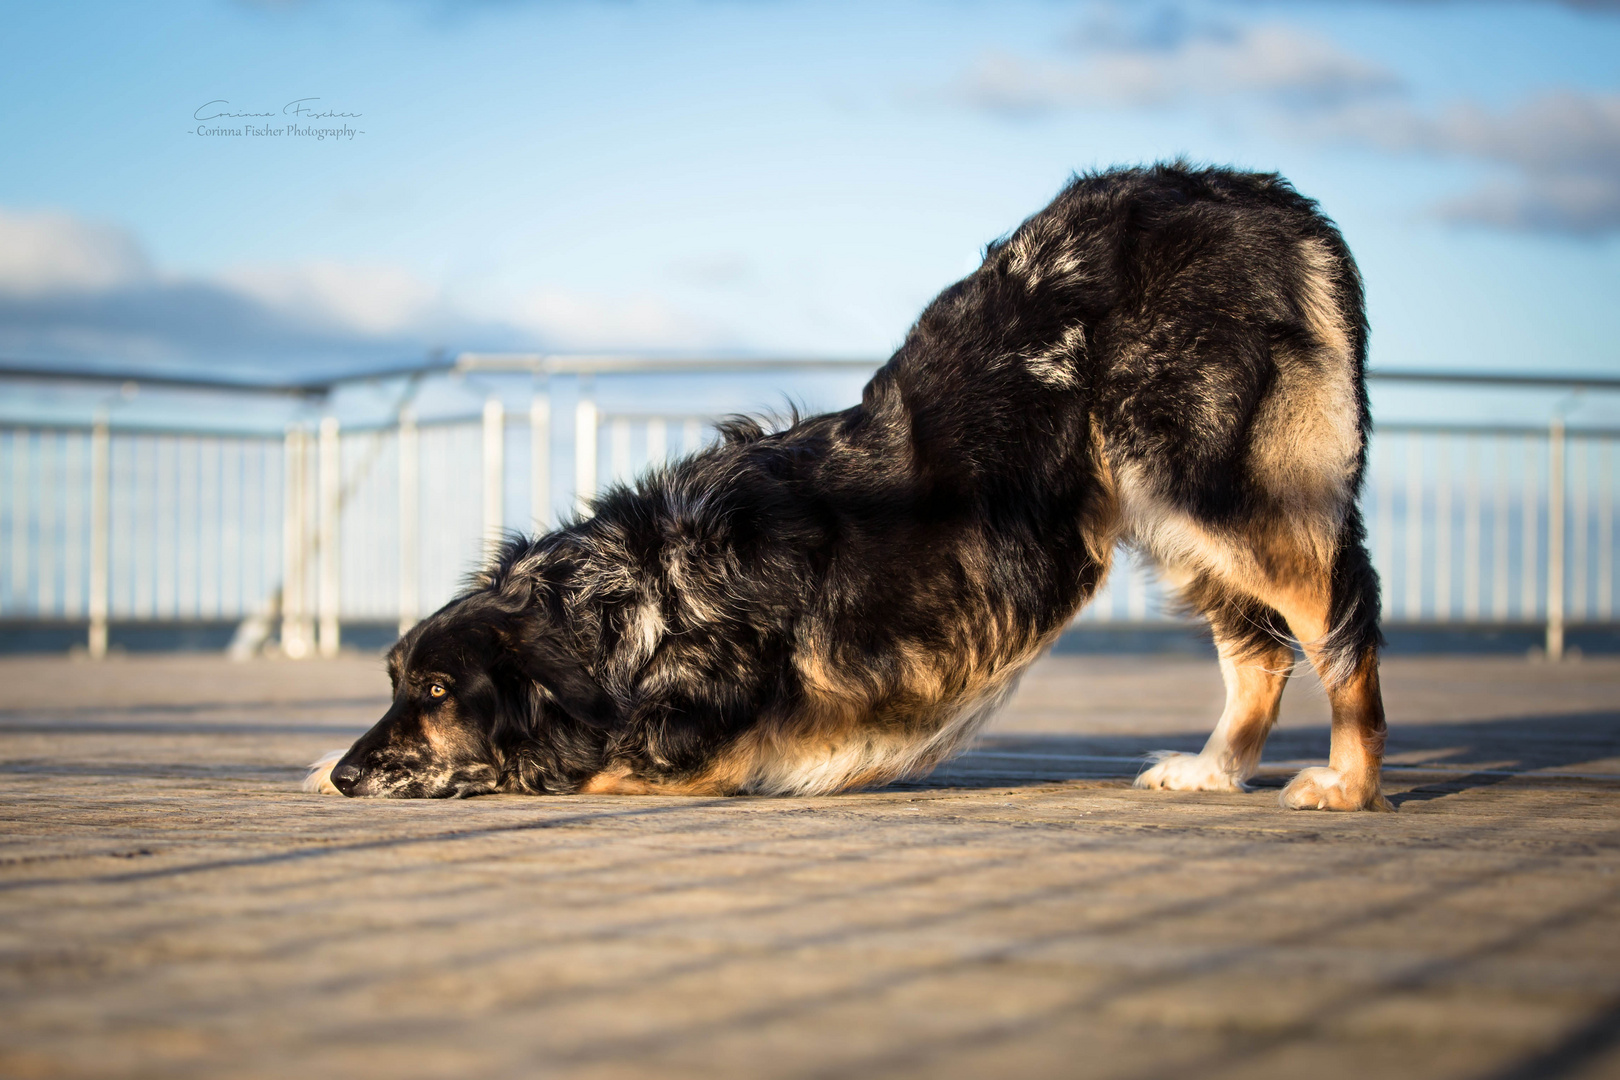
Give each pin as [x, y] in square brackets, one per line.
[302, 302]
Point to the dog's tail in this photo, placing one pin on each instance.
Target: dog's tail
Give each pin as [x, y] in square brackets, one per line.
[319, 780]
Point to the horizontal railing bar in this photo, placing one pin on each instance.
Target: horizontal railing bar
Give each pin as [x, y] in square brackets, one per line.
[1485, 623]
[517, 419]
[541, 364]
[268, 435]
[641, 416]
[177, 382]
[545, 363]
[1490, 429]
[138, 428]
[1504, 379]
[13, 623]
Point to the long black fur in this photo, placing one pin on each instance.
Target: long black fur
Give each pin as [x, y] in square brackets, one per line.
[903, 559]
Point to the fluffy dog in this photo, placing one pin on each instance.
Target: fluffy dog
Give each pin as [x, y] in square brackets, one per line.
[1167, 357]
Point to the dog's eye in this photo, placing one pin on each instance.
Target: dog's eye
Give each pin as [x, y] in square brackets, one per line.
[437, 690]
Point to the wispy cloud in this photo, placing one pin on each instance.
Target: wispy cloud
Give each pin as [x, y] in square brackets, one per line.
[1594, 6]
[45, 253]
[574, 320]
[1559, 155]
[1556, 156]
[1168, 59]
[85, 294]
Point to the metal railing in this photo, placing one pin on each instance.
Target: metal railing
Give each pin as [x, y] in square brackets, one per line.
[326, 523]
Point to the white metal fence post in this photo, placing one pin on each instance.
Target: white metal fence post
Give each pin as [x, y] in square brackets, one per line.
[1500, 531]
[1605, 568]
[1555, 540]
[585, 423]
[1412, 584]
[74, 504]
[410, 521]
[1530, 525]
[1472, 514]
[494, 474]
[657, 441]
[540, 460]
[1578, 453]
[294, 639]
[619, 450]
[331, 561]
[1442, 532]
[100, 535]
[1383, 458]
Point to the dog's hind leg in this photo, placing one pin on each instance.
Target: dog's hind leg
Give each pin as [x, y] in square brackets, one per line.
[1323, 587]
[1256, 658]
[1352, 778]
[1335, 617]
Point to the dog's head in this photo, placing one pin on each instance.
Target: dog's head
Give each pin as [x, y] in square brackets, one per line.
[486, 698]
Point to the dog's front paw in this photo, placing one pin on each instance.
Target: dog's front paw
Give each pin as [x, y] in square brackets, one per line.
[1187, 772]
[1321, 788]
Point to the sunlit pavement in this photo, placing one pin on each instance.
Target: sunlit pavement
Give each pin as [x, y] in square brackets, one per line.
[172, 905]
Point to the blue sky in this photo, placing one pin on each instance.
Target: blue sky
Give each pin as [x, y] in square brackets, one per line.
[763, 177]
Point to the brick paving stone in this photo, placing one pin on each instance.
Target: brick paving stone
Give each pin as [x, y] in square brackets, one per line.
[171, 905]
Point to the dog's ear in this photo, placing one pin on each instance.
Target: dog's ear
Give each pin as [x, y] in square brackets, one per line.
[541, 656]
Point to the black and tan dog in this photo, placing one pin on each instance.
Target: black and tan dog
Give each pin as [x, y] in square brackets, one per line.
[1167, 357]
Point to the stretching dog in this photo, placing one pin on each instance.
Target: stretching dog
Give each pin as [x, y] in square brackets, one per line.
[1167, 357]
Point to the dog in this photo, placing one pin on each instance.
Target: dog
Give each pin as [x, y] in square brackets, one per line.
[1168, 357]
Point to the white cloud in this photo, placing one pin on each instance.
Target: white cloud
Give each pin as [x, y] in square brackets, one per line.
[1578, 205]
[1558, 131]
[386, 300]
[1560, 153]
[84, 294]
[366, 299]
[1154, 67]
[43, 252]
[580, 321]
[1556, 156]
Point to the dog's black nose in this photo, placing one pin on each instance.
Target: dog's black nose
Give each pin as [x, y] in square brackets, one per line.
[344, 777]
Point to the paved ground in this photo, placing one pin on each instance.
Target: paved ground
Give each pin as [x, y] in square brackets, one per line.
[172, 906]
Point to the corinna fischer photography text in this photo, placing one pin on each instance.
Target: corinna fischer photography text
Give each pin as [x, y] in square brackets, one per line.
[300, 118]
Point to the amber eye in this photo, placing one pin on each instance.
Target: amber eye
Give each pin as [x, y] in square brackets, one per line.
[436, 690]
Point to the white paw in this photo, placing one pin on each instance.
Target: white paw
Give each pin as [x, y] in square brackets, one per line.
[319, 780]
[1321, 788]
[1187, 772]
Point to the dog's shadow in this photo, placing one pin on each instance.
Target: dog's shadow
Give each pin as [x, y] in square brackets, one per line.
[1465, 755]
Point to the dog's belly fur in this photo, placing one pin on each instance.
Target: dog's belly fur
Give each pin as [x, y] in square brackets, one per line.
[804, 756]
[836, 737]
[839, 710]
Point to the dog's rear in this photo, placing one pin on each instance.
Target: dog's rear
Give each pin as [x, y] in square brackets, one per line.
[1210, 327]
[1235, 428]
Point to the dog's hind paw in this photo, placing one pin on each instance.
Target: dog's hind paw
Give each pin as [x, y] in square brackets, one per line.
[1320, 788]
[1176, 771]
[319, 780]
